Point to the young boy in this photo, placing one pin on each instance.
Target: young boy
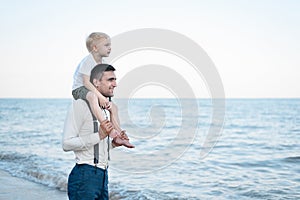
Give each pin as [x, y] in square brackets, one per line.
[99, 46]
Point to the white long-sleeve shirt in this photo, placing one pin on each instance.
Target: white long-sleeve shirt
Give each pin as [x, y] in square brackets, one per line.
[79, 136]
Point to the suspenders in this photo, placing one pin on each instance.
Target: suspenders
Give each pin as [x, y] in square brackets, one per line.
[96, 146]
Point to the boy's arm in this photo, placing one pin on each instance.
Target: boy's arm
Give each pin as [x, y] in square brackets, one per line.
[86, 82]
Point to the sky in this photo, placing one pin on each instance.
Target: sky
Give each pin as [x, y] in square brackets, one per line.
[254, 45]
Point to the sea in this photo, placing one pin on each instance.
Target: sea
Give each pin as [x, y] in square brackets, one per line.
[184, 148]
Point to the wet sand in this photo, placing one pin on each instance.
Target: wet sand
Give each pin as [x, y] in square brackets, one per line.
[13, 188]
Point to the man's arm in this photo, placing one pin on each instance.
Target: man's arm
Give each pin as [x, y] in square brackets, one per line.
[72, 140]
[76, 117]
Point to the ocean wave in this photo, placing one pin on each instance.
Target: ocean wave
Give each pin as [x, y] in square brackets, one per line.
[292, 159]
[33, 168]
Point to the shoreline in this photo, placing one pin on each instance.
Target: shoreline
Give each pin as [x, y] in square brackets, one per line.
[17, 188]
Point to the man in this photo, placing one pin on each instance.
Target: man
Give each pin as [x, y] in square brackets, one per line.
[88, 179]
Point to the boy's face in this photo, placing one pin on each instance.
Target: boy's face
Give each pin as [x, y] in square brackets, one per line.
[103, 47]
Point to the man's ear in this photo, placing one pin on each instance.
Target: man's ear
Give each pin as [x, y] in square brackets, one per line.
[95, 82]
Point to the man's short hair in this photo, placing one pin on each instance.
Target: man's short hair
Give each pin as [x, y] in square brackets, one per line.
[97, 71]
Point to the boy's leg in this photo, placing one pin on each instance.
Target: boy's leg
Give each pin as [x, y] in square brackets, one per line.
[84, 94]
[96, 110]
[114, 117]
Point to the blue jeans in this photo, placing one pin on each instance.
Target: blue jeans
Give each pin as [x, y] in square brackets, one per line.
[87, 182]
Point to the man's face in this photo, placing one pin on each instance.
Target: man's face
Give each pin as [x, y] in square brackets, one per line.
[103, 47]
[107, 84]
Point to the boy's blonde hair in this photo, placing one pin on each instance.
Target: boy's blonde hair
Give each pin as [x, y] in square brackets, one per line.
[93, 38]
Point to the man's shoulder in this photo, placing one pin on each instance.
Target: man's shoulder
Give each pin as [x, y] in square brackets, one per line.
[79, 104]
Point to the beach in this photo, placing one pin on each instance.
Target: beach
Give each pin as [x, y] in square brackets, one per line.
[256, 156]
[17, 188]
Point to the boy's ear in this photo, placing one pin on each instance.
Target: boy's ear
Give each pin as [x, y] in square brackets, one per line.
[95, 48]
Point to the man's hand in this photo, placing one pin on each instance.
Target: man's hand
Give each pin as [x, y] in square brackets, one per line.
[105, 128]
